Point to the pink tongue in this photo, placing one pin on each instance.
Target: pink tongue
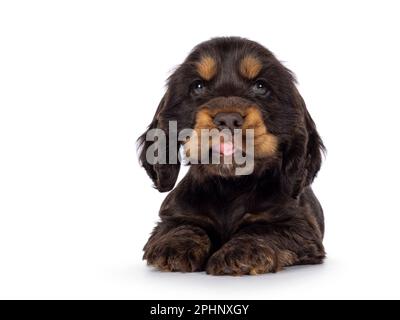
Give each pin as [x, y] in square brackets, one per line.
[226, 148]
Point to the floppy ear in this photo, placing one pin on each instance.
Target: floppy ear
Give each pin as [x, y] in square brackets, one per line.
[301, 160]
[163, 175]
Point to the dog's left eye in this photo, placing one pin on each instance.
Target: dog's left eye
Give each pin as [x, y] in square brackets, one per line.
[260, 87]
[197, 87]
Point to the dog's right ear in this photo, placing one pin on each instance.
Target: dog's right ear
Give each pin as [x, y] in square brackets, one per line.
[163, 175]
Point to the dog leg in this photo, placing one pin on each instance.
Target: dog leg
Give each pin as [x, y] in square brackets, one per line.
[253, 252]
[185, 248]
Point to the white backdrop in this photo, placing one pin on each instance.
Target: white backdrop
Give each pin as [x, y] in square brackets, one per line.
[80, 80]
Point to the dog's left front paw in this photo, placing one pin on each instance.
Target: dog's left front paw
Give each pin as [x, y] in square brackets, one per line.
[246, 255]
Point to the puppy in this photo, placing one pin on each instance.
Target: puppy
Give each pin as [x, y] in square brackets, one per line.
[218, 219]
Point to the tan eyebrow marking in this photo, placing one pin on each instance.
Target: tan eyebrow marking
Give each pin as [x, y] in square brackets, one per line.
[207, 67]
[250, 67]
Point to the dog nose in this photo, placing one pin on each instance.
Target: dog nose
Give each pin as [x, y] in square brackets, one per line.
[228, 120]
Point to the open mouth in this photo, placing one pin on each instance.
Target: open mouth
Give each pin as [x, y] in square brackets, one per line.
[217, 147]
[225, 149]
[226, 153]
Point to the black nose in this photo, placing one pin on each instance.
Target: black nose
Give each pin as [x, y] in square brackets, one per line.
[228, 120]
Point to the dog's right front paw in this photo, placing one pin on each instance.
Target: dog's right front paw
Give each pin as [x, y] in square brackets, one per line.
[182, 249]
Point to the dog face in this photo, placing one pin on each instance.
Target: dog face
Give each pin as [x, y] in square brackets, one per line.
[231, 84]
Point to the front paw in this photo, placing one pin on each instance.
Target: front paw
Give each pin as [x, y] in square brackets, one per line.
[182, 249]
[246, 255]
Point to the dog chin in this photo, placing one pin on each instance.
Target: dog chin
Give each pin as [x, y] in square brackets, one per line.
[227, 167]
[223, 170]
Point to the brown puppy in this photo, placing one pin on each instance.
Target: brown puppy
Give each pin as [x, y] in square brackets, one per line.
[218, 221]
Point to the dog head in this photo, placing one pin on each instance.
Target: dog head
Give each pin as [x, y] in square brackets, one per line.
[233, 85]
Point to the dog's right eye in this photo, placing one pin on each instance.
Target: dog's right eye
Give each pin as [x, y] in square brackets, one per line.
[198, 87]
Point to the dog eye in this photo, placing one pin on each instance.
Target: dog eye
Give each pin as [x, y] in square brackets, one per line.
[198, 87]
[260, 87]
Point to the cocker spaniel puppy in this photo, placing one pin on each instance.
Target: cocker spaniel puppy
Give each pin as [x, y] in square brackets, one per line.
[218, 218]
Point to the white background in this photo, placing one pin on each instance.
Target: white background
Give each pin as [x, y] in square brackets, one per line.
[80, 80]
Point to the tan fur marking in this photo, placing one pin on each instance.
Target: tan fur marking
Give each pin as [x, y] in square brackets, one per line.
[204, 120]
[265, 143]
[250, 67]
[207, 67]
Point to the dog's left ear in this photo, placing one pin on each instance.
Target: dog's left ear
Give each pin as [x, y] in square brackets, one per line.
[163, 175]
[302, 158]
